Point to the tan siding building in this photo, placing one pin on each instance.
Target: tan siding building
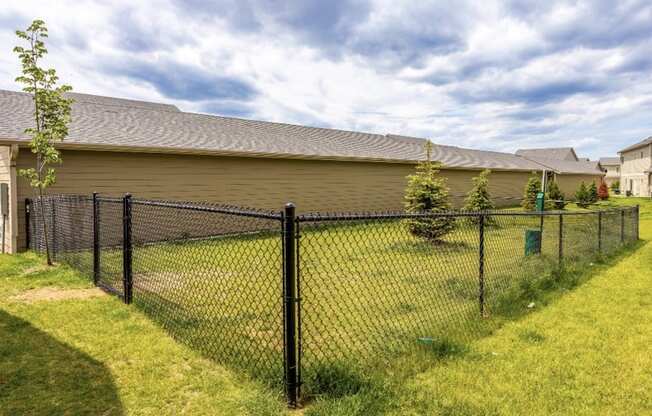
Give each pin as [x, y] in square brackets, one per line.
[313, 185]
[635, 168]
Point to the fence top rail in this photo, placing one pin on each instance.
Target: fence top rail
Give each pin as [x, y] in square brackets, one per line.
[317, 217]
[208, 207]
[61, 197]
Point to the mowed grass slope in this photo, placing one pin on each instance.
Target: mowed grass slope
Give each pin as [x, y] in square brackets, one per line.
[97, 356]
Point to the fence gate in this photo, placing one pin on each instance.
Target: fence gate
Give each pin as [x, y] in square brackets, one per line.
[108, 267]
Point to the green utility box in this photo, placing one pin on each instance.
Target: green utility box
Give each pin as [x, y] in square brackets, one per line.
[540, 201]
[532, 242]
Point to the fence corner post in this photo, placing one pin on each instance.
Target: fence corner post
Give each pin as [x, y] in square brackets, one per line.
[481, 293]
[28, 208]
[637, 219]
[292, 382]
[96, 239]
[127, 278]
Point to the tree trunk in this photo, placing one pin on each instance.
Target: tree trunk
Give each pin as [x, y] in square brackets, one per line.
[45, 228]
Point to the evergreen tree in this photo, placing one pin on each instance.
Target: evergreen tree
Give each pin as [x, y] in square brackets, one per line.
[478, 198]
[582, 197]
[593, 193]
[428, 193]
[556, 196]
[532, 188]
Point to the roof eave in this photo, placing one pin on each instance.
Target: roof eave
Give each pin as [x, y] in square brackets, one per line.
[228, 153]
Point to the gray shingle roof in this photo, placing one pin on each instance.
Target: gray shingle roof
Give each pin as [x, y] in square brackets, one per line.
[477, 159]
[609, 161]
[559, 153]
[637, 145]
[106, 122]
[581, 167]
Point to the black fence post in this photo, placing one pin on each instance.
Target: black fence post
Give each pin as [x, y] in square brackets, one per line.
[126, 248]
[637, 213]
[53, 229]
[290, 305]
[599, 231]
[28, 208]
[622, 226]
[561, 241]
[481, 263]
[96, 239]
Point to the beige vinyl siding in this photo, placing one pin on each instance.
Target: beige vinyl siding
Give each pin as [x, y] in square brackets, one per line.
[568, 183]
[8, 176]
[253, 182]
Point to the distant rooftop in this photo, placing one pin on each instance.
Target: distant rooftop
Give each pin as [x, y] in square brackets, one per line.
[559, 153]
[609, 161]
[642, 143]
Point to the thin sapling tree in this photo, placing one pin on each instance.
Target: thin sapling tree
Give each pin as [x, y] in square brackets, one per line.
[51, 114]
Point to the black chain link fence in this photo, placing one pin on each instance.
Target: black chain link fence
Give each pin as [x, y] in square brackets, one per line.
[287, 298]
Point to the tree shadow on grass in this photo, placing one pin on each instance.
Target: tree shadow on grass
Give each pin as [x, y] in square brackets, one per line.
[41, 375]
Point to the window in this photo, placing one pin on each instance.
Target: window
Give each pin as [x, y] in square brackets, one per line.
[641, 155]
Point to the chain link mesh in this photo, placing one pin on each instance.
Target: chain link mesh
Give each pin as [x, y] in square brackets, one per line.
[368, 286]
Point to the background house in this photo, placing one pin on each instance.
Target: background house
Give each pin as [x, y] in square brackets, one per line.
[565, 167]
[611, 166]
[157, 151]
[635, 168]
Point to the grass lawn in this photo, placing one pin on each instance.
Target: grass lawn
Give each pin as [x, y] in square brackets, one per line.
[545, 359]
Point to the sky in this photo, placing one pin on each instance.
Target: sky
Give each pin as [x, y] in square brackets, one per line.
[498, 75]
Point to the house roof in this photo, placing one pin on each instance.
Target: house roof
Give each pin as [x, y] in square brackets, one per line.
[609, 161]
[580, 167]
[559, 153]
[105, 123]
[642, 143]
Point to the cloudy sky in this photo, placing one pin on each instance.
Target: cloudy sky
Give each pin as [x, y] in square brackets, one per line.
[493, 74]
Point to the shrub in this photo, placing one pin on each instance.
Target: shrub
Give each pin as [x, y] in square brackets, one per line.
[532, 188]
[478, 198]
[426, 192]
[556, 196]
[582, 196]
[593, 193]
[603, 192]
[615, 186]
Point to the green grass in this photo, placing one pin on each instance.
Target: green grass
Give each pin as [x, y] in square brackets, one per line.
[229, 289]
[98, 356]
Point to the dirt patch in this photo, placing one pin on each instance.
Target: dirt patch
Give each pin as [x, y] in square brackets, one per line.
[56, 293]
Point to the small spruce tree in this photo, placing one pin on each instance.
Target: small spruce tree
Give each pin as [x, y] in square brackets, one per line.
[478, 198]
[582, 197]
[426, 192]
[615, 186]
[532, 188]
[603, 192]
[593, 193]
[556, 196]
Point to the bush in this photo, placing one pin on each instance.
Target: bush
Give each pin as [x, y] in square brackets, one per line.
[556, 196]
[426, 192]
[593, 193]
[603, 192]
[478, 198]
[532, 188]
[582, 196]
[615, 186]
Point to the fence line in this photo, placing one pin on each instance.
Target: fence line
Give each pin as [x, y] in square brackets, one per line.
[285, 296]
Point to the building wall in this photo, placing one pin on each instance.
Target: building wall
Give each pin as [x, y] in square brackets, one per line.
[568, 183]
[252, 182]
[633, 175]
[8, 176]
